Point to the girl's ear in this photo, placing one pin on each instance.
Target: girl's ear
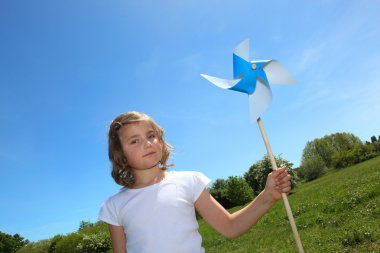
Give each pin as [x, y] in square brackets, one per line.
[124, 160]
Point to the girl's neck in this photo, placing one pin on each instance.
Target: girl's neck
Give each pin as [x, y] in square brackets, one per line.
[148, 177]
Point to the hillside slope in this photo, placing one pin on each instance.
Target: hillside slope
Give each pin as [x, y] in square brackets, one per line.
[339, 212]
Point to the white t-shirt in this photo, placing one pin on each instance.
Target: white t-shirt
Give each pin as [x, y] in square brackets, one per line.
[159, 217]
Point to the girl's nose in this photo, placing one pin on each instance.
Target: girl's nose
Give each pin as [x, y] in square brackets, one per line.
[148, 143]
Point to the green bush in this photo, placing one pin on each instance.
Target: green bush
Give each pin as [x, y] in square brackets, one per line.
[344, 159]
[69, 243]
[257, 174]
[335, 149]
[238, 191]
[36, 247]
[86, 227]
[95, 243]
[219, 192]
[53, 243]
[312, 168]
[11, 243]
[353, 156]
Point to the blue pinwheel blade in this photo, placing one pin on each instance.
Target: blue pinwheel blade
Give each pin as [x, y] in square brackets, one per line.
[240, 59]
[241, 66]
[247, 84]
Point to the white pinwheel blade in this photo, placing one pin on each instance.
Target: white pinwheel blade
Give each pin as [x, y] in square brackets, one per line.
[222, 83]
[259, 100]
[242, 50]
[277, 74]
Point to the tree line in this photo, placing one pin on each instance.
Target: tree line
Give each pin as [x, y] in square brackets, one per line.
[331, 152]
[11, 243]
[335, 151]
[239, 190]
[90, 238]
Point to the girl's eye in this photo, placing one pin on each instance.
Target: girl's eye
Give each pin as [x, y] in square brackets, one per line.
[151, 136]
[134, 141]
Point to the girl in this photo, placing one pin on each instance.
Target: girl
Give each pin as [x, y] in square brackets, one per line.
[155, 209]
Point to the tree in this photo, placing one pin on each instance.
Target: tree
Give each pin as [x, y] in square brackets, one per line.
[91, 237]
[69, 243]
[219, 192]
[238, 191]
[311, 168]
[53, 243]
[374, 146]
[329, 147]
[257, 174]
[87, 228]
[41, 246]
[85, 224]
[95, 243]
[354, 155]
[11, 243]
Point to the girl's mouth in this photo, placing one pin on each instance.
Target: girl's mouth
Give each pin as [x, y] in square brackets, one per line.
[151, 153]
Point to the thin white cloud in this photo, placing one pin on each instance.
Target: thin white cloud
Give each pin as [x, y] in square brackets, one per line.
[331, 73]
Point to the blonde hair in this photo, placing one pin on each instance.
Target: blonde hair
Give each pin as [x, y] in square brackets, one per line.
[121, 171]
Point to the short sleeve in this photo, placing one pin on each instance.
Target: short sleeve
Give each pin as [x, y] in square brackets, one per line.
[200, 183]
[108, 213]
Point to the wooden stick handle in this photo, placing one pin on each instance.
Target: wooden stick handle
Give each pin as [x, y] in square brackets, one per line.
[284, 197]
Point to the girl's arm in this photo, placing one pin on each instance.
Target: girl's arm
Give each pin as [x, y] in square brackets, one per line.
[118, 238]
[233, 225]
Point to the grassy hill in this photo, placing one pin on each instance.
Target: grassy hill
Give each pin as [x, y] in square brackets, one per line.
[339, 212]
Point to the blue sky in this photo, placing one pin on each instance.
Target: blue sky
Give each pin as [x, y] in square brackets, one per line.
[67, 68]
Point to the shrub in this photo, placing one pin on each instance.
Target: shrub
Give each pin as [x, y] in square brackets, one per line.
[36, 247]
[94, 243]
[350, 157]
[257, 174]
[11, 243]
[238, 191]
[344, 159]
[53, 243]
[219, 192]
[69, 243]
[312, 168]
[333, 149]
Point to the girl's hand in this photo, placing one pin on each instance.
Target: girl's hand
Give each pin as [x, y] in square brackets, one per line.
[278, 182]
[233, 225]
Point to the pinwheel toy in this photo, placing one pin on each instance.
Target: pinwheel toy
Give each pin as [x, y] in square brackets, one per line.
[253, 78]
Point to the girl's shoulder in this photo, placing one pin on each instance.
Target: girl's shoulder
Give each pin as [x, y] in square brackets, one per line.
[187, 177]
[192, 183]
[118, 195]
[184, 174]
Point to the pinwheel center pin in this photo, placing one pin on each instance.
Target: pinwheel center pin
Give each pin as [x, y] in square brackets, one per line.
[254, 66]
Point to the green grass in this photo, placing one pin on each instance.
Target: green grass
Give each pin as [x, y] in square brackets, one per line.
[339, 212]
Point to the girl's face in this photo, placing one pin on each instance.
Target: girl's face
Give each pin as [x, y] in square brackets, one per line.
[141, 145]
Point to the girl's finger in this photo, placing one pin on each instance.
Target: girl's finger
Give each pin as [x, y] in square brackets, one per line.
[286, 190]
[285, 178]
